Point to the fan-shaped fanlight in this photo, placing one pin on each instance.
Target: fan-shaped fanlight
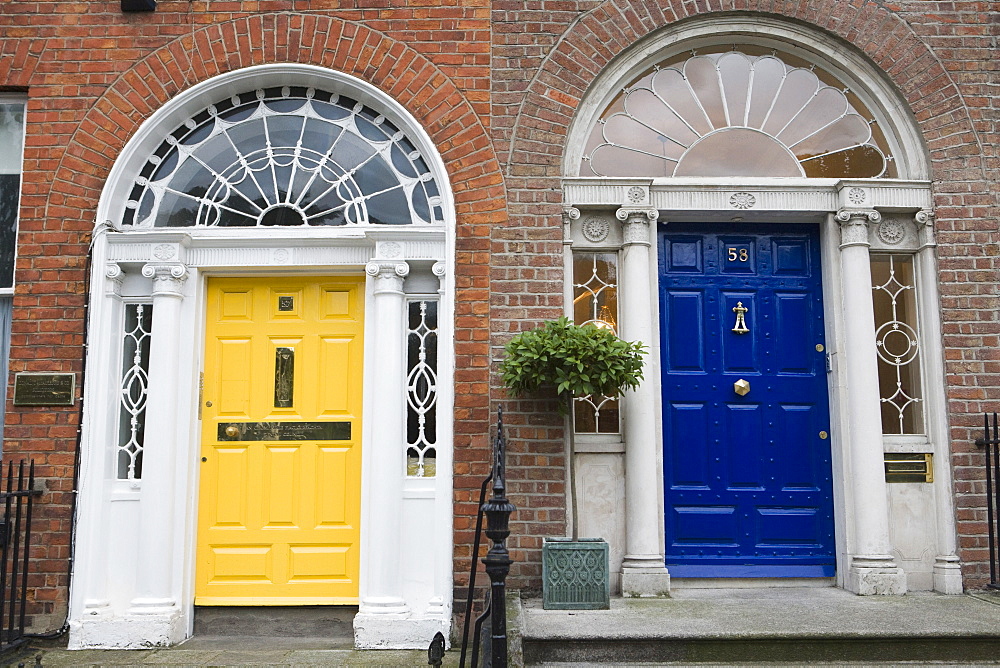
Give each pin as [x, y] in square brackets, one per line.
[284, 156]
[732, 114]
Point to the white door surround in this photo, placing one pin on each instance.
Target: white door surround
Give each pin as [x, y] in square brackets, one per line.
[873, 538]
[133, 576]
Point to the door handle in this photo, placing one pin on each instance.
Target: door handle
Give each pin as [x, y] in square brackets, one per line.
[741, 387]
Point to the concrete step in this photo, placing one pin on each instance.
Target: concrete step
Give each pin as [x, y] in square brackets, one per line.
[758, 627]
[330, 623]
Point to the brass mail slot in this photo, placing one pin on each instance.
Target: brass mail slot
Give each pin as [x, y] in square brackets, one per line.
[284, 431]
[909, 467]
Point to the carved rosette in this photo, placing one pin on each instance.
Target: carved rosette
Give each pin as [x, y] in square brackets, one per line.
[388, 275]
[854, 226]
[168, 278]
[635, 224]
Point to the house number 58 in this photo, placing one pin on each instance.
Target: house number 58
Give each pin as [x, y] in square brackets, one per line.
[738, 254]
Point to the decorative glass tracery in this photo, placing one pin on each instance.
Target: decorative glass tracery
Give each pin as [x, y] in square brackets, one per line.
[897, 343]
[421, 388]
[595, 301]
[133, 390]
[736, 114]
[285, 156]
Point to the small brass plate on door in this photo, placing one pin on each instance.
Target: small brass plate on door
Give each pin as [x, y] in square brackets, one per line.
[741, 387]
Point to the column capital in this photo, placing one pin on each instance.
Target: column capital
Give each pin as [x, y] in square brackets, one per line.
[635, 224]
[854, 226]
[570, 213]
[924, 219]
[168, 277]
[115, 277]
[388, 275]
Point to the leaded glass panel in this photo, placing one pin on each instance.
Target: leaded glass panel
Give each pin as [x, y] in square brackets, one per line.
[133, 390]
[595, 302]
[289, 156]
[421, 388]
[897, 342]
[741, 112]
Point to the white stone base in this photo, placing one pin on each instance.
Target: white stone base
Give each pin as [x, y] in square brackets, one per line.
[107, 631]
[645, 582]
[948, 575]
[875, 576]
[398, 631]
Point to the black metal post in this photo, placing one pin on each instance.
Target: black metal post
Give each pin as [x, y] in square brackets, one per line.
[991, 442]
[497, 560]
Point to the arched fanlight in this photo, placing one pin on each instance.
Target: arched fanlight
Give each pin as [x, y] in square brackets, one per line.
[284, 156]
[735, 114]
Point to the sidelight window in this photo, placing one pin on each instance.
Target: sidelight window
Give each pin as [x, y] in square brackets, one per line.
[421, 388]
[133, 390]
[897, 341]
[595, 302]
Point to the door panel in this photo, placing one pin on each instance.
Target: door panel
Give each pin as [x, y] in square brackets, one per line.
[747, 478]
[279, 510]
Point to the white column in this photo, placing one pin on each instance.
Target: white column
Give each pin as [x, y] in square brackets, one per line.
[383, 590]
[947, 568]
[872, 569]
[154, 592]
[643, 570]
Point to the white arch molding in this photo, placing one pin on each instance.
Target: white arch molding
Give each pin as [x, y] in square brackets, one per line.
[879, 536]
[120, 599]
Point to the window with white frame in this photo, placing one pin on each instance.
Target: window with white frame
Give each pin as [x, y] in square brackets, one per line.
[11, 163]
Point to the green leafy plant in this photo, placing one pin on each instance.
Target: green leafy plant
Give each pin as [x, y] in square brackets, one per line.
[575, 361]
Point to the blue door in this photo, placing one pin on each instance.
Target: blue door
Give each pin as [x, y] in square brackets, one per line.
[747, 474]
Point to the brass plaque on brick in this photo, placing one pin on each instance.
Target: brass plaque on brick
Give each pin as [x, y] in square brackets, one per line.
[284, 431]
[44, 389]
[909, 467]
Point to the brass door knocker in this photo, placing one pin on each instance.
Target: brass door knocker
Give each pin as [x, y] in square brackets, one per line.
[741, 324]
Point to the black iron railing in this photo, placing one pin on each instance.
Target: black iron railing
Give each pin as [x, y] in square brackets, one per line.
[17, 496]
[497, 562]
[991, 442]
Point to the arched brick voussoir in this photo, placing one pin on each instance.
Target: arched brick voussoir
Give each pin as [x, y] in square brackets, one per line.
[594, 41]
[410, 78]
[19, 60]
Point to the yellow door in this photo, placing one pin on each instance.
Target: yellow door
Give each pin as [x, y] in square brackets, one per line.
[279, 509]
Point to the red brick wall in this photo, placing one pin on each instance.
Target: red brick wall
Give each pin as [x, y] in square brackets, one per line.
[496, 85]
[940, 55]
[93, 75]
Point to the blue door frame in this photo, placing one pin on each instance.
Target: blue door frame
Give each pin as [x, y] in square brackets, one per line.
[747, 477]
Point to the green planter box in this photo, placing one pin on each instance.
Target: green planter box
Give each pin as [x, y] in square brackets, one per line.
[575, 574]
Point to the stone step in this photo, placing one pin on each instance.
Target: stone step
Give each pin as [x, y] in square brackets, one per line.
[581, 652]
[335, 623]
[761, 626]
